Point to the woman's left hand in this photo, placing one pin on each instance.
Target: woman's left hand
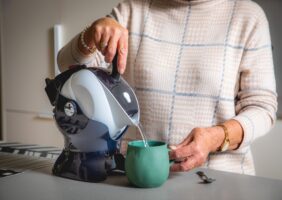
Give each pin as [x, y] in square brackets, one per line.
[194, 150]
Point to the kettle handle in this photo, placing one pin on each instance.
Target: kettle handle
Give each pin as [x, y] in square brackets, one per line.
[115, 74]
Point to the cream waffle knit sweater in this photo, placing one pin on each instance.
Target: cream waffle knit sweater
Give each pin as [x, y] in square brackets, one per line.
[193, 64]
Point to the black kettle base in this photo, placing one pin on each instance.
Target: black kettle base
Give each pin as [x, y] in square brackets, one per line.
[89, 167]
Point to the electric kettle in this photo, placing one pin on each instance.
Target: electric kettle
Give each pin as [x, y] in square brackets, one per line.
[92, 109]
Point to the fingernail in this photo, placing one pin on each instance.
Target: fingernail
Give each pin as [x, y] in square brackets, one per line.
[122, 70]
[172, 147]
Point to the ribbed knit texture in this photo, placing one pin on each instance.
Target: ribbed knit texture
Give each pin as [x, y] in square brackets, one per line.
[197, 64]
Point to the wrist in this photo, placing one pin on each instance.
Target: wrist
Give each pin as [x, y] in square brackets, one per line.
[86, 43]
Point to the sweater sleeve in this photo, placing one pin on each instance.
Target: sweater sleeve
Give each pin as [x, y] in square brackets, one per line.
[121, 13]
[70, 54]
[256, 103]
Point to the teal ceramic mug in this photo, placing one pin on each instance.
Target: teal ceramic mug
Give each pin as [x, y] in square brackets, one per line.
[147, 167]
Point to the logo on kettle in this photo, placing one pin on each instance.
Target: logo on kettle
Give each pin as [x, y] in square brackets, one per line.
[70, 109]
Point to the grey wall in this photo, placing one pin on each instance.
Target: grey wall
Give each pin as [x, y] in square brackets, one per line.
[267, 153]
[267, 150]
[273, 10]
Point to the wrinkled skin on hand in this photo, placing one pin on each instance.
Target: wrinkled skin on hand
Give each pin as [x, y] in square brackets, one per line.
[110, 38]
[194, 150]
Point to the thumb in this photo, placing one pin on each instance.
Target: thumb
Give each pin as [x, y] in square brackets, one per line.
[186, 141]
[172, 147]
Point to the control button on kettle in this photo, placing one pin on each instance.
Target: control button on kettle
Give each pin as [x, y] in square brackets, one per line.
[70, 109]
[127, 97]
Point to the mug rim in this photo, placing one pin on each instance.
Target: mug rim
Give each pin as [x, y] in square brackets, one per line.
[161, 143]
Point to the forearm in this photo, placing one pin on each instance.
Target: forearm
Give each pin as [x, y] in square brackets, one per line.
[70, 55]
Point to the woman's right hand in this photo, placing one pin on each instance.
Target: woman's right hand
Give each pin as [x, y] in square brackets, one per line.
[110, 38]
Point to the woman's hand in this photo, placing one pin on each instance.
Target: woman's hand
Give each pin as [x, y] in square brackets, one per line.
[194, 150]
[110, 38]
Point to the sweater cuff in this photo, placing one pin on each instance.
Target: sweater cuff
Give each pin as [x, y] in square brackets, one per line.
[255, 123]
[248, 130]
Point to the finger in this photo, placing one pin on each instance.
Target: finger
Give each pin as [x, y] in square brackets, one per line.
[172, 147]
[182, 152]
[185, 142]
[190, 163]
[122, 52]
[104, 42]
[112, 48]
[97, 34]
[177, 166]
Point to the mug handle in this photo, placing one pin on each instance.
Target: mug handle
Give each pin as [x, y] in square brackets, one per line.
[171, 162]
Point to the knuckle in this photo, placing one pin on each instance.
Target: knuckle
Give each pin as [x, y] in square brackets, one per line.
[115, 31]
[98, 29]
[184, 167]
[177, 154]
[201, 157]
[198, 130]
[107, 29]
[197, 148]
[111, 51]
[172, 154]
[125, 32]
[123, 54]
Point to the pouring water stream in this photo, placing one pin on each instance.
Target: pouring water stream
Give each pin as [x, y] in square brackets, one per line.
[142, 133]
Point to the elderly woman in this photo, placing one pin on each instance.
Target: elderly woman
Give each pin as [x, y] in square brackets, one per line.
[202, 71]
